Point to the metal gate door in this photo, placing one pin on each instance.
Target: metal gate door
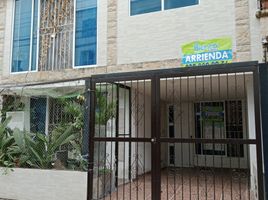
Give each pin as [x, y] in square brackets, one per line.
[176, 134]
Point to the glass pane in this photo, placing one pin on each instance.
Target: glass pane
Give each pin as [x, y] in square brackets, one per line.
[34, 44]
[169, 4]
[144, 6]
[22, 34]
[86, 32]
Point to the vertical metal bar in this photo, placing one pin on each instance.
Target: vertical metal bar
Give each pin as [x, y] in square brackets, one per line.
[124, 154]
[196, 144]
[111, 162]
[105, 143]
[203, 95]
[130, 146]
[137, 144]
[259, 155]
[116, 135]
[247, 134]
[168, 136]
[130, 131]
[91, 124]
[144, 135]
[156, 150]
[85, 139]
[174, 145]
[213, 137]
[116, 143]
[227, 132]
[189, 136]
[181, 135]
[99, 143]
[238, 146]
[222, 137]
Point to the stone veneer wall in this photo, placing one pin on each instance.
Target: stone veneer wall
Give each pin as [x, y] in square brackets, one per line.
[2, 29]
[112, 33]
[243, 51]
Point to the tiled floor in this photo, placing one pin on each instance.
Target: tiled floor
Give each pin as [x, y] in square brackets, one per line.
[186, 184]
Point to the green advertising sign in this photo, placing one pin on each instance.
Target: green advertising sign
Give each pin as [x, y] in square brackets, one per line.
[208, 52]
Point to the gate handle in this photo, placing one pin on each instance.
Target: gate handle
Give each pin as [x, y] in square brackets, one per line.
[153, 140]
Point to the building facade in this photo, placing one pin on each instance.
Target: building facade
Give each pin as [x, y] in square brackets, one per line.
[118, 40]
[44, 41]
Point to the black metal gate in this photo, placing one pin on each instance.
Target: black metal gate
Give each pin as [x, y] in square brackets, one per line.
[188, 133]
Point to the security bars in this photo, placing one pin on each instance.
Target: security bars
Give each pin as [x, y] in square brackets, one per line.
[192, 133]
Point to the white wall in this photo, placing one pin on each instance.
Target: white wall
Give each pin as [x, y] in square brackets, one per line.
[35, 184]
[141, 127]
[159, 35]
[252, 135]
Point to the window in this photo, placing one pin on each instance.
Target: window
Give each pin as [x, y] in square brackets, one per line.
[147, 6]
[210, 125]
[144, 6]
[56, 34]
[169, 4]
[24, 36]
[86, 32]
[219, 120]
[51, 36]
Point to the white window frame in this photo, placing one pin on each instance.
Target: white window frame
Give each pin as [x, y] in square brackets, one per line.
[162, 8]
[97, 41]
[31, 39]
[38, 40]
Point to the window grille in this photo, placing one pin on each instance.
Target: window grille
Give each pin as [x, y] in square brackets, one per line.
[56, 34]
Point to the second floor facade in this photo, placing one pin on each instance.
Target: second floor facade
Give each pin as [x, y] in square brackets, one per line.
[42, 40]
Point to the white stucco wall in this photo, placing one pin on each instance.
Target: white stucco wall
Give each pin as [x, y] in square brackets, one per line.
[35, 184]
[159, 35]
